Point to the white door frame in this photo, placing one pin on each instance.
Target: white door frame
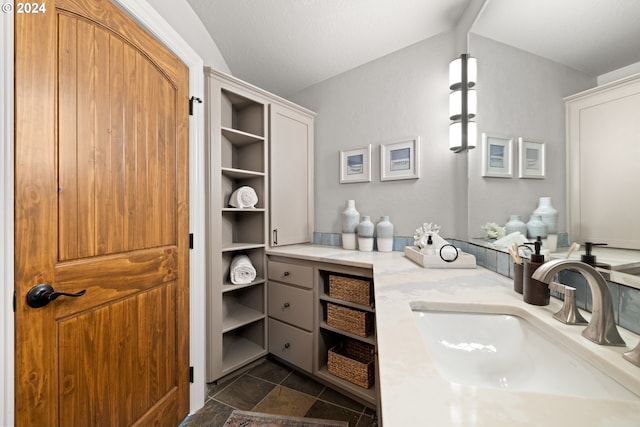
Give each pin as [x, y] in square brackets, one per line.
[151, 21]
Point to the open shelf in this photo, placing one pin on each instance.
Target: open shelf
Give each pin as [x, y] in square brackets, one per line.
[325, 297]
[243, 306]
[368, 395]
[371, 339]
[241, 113]
[237, 156]
[242, 346]
[230, 287]
[329, 336]
[240, 138]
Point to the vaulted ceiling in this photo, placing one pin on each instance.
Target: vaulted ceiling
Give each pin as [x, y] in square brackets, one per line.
[287, 45]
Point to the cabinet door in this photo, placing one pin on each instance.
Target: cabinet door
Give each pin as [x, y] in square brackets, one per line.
[291, 176]
[603, 131]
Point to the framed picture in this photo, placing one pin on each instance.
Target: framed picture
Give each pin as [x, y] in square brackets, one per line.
[400, 159]
[355, 165]
[531, 158]
[497, 156]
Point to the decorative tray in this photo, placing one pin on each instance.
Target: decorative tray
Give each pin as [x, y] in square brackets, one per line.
[464, 260]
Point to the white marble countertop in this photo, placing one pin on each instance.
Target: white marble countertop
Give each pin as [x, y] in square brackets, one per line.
[413, 393]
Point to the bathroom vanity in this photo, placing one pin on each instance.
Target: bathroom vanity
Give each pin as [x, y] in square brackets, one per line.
[412, 388]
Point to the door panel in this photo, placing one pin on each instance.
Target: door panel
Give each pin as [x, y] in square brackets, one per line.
[101, 204]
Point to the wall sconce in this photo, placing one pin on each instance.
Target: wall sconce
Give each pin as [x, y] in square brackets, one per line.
[463, 101]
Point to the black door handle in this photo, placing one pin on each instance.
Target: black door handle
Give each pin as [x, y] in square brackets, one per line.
[42, 294]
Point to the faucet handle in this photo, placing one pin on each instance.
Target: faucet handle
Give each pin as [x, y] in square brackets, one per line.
[633, 356]
[569, 313]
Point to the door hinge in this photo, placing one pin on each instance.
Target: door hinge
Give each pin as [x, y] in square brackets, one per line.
[190, 240]
[14, 301]
[191, 374]
[193, 98]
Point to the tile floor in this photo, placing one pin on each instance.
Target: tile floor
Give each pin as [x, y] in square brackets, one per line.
[273, 388]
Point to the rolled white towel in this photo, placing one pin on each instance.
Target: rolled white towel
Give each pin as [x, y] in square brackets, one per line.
[241, 271]
[244, 197]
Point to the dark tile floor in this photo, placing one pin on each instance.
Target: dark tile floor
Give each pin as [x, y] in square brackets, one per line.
[273, 388]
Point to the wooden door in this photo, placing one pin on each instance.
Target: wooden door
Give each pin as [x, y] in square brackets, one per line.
[101, 167]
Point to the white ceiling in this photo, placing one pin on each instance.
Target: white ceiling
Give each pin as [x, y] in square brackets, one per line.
[285, 46]
[594, 36]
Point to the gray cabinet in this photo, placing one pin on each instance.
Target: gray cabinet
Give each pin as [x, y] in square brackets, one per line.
[237, 144]
[291, 313]
[298, 295]
[602, 153]
[253, 138]
[291, 173]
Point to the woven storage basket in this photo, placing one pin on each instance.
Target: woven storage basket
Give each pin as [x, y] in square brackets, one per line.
[347, 319]
[350, 289]
[353, 361]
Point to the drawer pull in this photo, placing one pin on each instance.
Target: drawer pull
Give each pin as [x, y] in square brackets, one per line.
[286, 273]
[287, 305]
[287, 345]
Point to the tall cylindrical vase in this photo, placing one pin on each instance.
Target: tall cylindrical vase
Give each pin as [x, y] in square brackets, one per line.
[365, 234]
[384, 234]
[350, 220]
[548, 214]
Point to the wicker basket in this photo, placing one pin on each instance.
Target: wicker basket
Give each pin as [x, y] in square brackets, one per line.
[347, 319]
[349, 289]
[353, 361]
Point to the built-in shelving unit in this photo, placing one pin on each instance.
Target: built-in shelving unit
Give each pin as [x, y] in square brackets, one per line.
[328, 336]
[237, 154]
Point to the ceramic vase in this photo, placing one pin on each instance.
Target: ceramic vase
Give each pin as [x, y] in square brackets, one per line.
[548, 214]
[384, 234]
[536, 228]
[515, 224]
[365, 234]
[350, 219]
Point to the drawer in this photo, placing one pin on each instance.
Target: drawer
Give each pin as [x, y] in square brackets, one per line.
[291, 305]
[301, 275]
[291, 344]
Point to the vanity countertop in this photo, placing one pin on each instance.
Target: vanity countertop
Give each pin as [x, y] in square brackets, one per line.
[413, 393]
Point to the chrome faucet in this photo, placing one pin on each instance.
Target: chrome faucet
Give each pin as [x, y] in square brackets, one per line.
[602, 327]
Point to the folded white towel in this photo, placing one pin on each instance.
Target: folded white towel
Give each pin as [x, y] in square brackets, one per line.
[244, 197]
[242, 271]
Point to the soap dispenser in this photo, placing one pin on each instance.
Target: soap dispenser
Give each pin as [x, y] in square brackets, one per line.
[534, 291]
[590, 259]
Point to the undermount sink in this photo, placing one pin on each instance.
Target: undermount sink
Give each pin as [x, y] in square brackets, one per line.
[500, 350]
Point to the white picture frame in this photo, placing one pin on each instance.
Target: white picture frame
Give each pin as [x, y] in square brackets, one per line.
[355, 165]
[531, 158]
[497, 156]
[400, 159]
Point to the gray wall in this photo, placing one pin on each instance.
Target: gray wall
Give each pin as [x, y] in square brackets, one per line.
[399, 95]
[405, 93]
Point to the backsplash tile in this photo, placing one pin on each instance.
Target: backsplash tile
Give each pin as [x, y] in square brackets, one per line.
[626, 300]
[629, 309]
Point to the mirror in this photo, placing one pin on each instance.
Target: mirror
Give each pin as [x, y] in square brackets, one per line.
[532, 54]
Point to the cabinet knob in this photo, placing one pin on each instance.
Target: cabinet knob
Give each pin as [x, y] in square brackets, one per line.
[287, 305]
[287, 345]
[286, 273]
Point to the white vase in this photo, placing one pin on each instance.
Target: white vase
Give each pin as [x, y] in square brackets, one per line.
[536, 228]
[365, 234]
[548, 214]
[384, 234]
[350, 219]
[515, 224]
